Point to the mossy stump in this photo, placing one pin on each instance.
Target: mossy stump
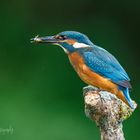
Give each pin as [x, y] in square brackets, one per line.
[107, 111]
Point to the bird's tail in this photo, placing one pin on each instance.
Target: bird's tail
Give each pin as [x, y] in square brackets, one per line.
[127, 99]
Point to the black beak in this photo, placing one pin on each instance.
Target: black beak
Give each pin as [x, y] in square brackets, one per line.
[46, 39]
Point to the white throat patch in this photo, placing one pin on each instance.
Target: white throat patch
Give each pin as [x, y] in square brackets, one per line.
[80, 45]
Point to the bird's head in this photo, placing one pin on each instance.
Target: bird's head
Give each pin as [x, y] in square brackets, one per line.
[68, 40]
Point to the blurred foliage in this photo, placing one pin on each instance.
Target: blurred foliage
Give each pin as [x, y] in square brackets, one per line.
[40, 94]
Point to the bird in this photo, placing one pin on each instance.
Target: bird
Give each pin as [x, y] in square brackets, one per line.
[94, 65]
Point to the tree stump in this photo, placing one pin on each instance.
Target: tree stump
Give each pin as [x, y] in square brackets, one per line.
[108, 111]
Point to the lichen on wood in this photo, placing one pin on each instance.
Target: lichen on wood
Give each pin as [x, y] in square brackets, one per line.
[108, 111]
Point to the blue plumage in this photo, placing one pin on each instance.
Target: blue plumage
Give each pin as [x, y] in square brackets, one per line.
[102, 62]
[97, 59]
[127, 96]
[105, 64]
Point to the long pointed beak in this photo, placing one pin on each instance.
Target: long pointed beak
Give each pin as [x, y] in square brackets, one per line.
[46, 39]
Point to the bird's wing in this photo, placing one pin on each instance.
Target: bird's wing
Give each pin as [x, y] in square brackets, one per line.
[103, 63]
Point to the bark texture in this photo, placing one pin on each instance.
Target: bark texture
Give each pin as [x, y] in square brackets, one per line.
[107, 111]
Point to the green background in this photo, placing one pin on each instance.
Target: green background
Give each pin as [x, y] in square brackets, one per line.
[40, 94]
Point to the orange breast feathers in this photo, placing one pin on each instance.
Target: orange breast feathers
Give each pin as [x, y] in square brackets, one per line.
[92, 78]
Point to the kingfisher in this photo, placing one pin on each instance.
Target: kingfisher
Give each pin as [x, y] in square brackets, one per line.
[94, 65]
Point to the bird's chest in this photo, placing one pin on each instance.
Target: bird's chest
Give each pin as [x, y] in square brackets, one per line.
[80, 67]
[77, 62]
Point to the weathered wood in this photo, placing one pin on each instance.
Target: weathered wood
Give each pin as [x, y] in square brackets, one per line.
[107, 111]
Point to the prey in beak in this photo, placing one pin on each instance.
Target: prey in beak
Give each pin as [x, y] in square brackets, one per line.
[46, 39]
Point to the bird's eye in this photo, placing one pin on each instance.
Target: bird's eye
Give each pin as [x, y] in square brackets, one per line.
[61, 37]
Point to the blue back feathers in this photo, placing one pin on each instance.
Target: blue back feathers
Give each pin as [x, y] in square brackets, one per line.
[105, 64]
